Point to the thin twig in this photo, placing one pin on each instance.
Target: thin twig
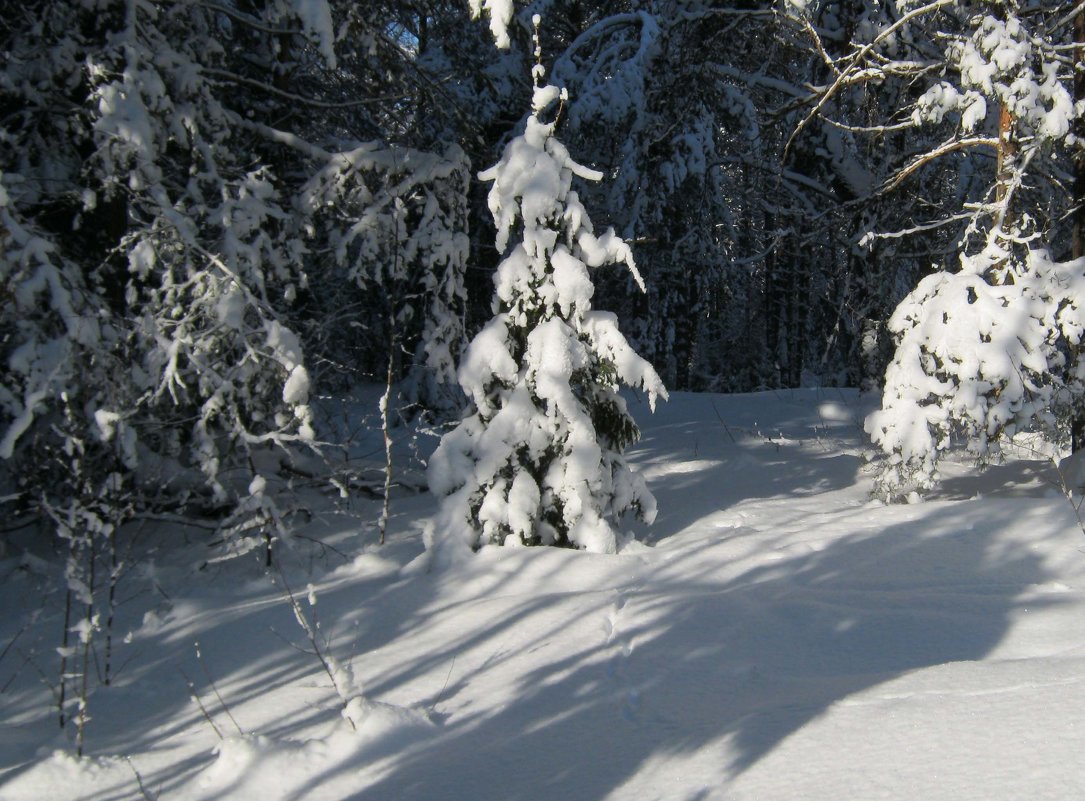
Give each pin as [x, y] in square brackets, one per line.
[215, 690]
[139, 780]
[195, 696]
[722, 423]
[14, 639]
[226, 75]
[440, 695]
[310, 631]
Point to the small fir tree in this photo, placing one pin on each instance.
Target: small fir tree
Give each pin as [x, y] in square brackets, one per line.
[539, 458]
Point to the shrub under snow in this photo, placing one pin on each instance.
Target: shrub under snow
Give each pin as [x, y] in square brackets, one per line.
[976, 360]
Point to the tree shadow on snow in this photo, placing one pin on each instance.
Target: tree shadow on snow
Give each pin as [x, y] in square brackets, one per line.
[680, 651]
[250, 647]
[1019, 478]
[693, 659]
[772, 445]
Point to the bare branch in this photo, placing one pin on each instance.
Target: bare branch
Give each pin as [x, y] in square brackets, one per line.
[308, 101]
[870, 129]
[938, 152]
[249, 20]
[825, 57]
[848, 76]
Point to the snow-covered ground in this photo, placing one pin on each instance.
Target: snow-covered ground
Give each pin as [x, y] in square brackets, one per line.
[775, 635]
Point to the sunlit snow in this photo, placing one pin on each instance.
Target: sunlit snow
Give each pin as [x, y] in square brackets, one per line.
[774, 635]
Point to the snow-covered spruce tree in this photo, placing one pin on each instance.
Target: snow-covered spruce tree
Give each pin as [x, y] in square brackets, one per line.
[538, 460]
[993, 347]
[749, 252]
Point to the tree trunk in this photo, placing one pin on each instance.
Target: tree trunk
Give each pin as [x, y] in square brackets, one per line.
[1006, 155]
[1077, 426]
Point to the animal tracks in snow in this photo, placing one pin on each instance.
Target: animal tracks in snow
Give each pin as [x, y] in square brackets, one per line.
[611, 625]
[621, 643]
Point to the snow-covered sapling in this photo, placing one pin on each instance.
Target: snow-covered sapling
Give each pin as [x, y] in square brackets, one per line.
[538, 459]
[341, 676]
[977, 361]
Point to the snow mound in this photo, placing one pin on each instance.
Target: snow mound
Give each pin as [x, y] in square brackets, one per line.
[260, 767]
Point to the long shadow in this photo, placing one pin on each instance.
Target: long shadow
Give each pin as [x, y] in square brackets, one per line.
[245, 629]
[692, 663]
[686, 655]
[724, 669]
[782, 445]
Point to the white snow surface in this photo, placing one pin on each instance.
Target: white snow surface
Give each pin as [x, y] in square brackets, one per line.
[774, 635]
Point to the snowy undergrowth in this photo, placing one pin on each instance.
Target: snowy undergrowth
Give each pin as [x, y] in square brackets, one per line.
[775, 634]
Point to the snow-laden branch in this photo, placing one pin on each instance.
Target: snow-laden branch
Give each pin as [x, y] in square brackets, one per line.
[757, 80]
[500, 13]
[249, 20]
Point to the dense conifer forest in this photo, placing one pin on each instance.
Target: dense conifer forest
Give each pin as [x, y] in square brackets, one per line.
[259, 252]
